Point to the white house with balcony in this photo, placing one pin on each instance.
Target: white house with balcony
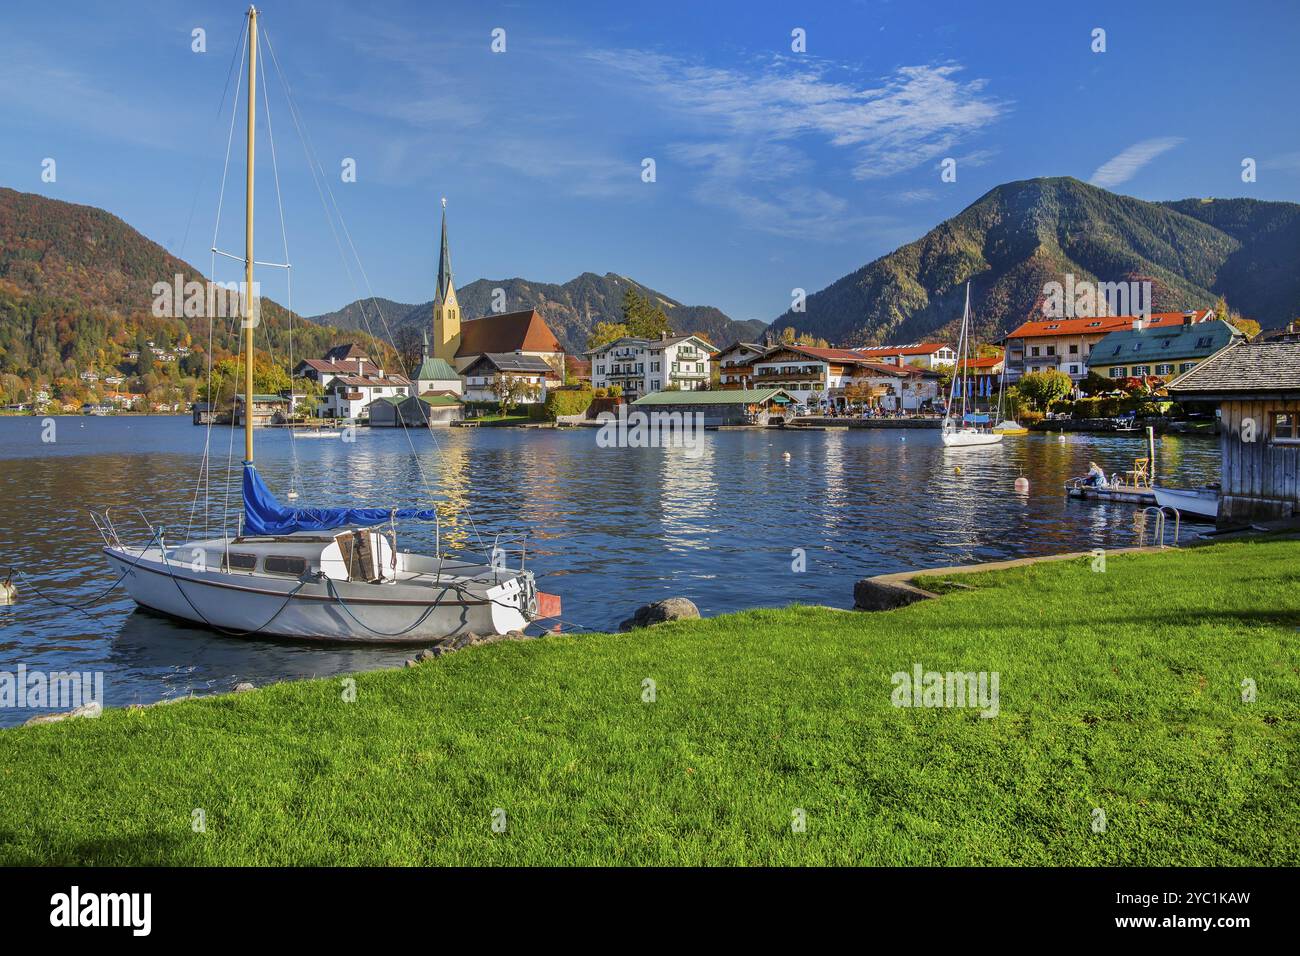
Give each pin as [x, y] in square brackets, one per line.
[349, 395]
[644, 366]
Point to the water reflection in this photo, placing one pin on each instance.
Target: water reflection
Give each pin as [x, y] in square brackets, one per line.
[611, 528]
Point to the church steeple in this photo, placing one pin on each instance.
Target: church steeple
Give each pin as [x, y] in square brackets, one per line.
[446, 310]
[444, 259]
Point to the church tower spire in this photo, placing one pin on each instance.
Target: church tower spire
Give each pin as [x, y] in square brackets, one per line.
[446, 310]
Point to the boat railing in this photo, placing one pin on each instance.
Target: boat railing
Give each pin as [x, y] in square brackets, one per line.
[104, 525]
[505, 543]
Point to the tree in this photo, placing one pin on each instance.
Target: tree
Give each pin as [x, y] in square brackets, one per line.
[1042, 389]
[409, 343]
[643, 318]
[510, 390]
[1249, 327]
[602, 333]
[1094, 383]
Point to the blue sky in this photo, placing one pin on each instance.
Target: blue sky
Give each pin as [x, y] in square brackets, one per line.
[774, 169]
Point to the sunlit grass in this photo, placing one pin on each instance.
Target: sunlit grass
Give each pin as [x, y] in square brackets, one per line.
[1119, 691]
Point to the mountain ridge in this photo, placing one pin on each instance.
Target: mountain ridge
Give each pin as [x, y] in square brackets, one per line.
[571, 308]
[1020, 235]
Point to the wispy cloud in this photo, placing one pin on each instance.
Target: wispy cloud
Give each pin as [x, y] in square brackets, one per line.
[1122, 168]
[907, 119]
[749, 133]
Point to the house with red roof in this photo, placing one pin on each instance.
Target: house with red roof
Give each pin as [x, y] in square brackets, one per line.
[930, 355]
[833, 377]
[1067, 344]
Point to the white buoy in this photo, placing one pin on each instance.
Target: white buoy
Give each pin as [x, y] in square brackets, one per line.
[785, 455]
[1022, 485]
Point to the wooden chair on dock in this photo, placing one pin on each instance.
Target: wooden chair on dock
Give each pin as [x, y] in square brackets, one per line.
[1140, 476]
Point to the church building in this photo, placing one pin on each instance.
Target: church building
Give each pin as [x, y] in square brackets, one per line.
[462, 343]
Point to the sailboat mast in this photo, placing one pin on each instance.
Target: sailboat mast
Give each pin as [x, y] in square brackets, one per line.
[248, 238]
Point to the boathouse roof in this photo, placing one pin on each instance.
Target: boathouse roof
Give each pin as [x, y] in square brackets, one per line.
[1258, 369]
[726, 396]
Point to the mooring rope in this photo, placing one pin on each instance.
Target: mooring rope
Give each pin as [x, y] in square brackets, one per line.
[94, 600]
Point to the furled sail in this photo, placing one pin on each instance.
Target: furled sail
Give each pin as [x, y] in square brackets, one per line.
[264, 515]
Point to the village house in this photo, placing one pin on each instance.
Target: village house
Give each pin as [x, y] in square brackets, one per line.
[736, 363]
[1067, 344]
[840, 377]
[1256, 386]
[348, 396]
[643, 366]
[267, 410]
[350, 360]
[1142, 351]
[482, 378]
[931, 355]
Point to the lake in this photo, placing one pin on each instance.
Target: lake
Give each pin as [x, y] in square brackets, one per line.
[610, 528]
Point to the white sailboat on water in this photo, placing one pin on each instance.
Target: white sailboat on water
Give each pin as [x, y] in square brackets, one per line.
[328, 574]
[967, 429]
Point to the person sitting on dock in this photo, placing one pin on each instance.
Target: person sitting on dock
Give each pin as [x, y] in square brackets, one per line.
[1096, 477]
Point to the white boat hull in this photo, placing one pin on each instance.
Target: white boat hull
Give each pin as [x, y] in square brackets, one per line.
[334, 611]
[960, 438]
[1189, 501]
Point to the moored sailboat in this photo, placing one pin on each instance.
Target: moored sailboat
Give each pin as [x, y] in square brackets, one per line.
[971, 428]
[318, 573]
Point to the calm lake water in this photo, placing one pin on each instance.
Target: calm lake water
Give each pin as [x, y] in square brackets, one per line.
[611, 528]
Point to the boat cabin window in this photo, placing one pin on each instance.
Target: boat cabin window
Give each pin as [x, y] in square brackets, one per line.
[284, 564]
[239, 562]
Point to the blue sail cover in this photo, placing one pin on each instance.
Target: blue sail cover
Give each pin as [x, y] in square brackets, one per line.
[976, 419]
[264, 515]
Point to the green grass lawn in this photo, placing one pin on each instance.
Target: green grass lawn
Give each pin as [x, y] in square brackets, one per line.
[496, 418]
[1119, 691]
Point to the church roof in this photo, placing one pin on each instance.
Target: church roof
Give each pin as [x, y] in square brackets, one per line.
[524, 331]
[434, 368]
[444, 262]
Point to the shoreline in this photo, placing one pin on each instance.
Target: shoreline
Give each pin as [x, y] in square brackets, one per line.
[748, 714]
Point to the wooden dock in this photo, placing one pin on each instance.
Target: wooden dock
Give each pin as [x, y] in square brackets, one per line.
[1123, 494]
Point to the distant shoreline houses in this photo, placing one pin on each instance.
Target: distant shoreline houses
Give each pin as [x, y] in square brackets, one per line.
[882, 376]
[1163, 344]
[643, 366]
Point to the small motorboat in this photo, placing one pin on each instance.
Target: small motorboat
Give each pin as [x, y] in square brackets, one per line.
[1202, 503]
[316, 433]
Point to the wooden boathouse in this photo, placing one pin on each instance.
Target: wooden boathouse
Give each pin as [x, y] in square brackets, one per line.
[1257, 388]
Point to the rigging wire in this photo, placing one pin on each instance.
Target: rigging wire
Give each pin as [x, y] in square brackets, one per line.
[314, 167]
[206, 463]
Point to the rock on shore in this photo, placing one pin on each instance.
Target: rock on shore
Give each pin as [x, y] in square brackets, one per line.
[669, 609]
